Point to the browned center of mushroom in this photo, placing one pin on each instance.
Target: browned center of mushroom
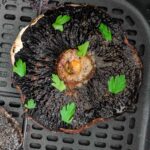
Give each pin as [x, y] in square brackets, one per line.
[73, 67]
[74, 70]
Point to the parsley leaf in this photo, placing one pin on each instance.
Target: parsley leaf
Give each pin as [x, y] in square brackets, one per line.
[57, 83]
[31, 104]
[106, 32]
[60, 21]
[67, 112]
[58, 27]
[20, 68]
[82, 49]
[116, 84]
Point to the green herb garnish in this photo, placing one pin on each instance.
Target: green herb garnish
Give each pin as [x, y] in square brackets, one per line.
[31, 104]
[82, 49]
[20, 68]
[67, 112]
[105, 30]
[57, 83]
[117, 84]
[60, 21]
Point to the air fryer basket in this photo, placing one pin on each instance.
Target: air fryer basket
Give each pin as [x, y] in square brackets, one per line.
[127, 132]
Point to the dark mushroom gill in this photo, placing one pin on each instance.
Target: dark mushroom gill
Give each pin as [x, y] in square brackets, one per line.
[42, 46]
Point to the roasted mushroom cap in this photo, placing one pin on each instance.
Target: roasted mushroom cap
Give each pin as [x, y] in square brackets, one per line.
[10, 132]
[41, 49]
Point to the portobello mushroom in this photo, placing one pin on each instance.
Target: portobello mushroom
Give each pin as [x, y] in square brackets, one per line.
[90, 80]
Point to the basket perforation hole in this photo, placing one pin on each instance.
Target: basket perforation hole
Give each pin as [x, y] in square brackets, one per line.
[3, 74]
[7, 26]
[52, 138]
[36, 127]
[131, 32]
[51, 147]
[10, 7]
[119, 128]
[4, 55]
[102, 126]
[4, 65]
[9, 17]
[130, 139]
[132, 123]
[26, 9]
[116, 147]
[141, 50]
[68, 140]
[3, 83]
[120, 118]
[130, 20]
[14, 114]
[36, 136]
[117, 137]
[35, 145]
[119, 20]
[85, 133]
[14, 104]
[7, 36]
[132, 109]
[6, 46]
[56, 2]
[66, 148]
[84, 142]
[101, 135]
[132, 42]
[117, 11]
[25, 19]
[2, 103]
[100, 144]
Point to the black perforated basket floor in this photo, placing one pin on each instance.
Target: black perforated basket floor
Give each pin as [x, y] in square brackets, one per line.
[130, 131]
